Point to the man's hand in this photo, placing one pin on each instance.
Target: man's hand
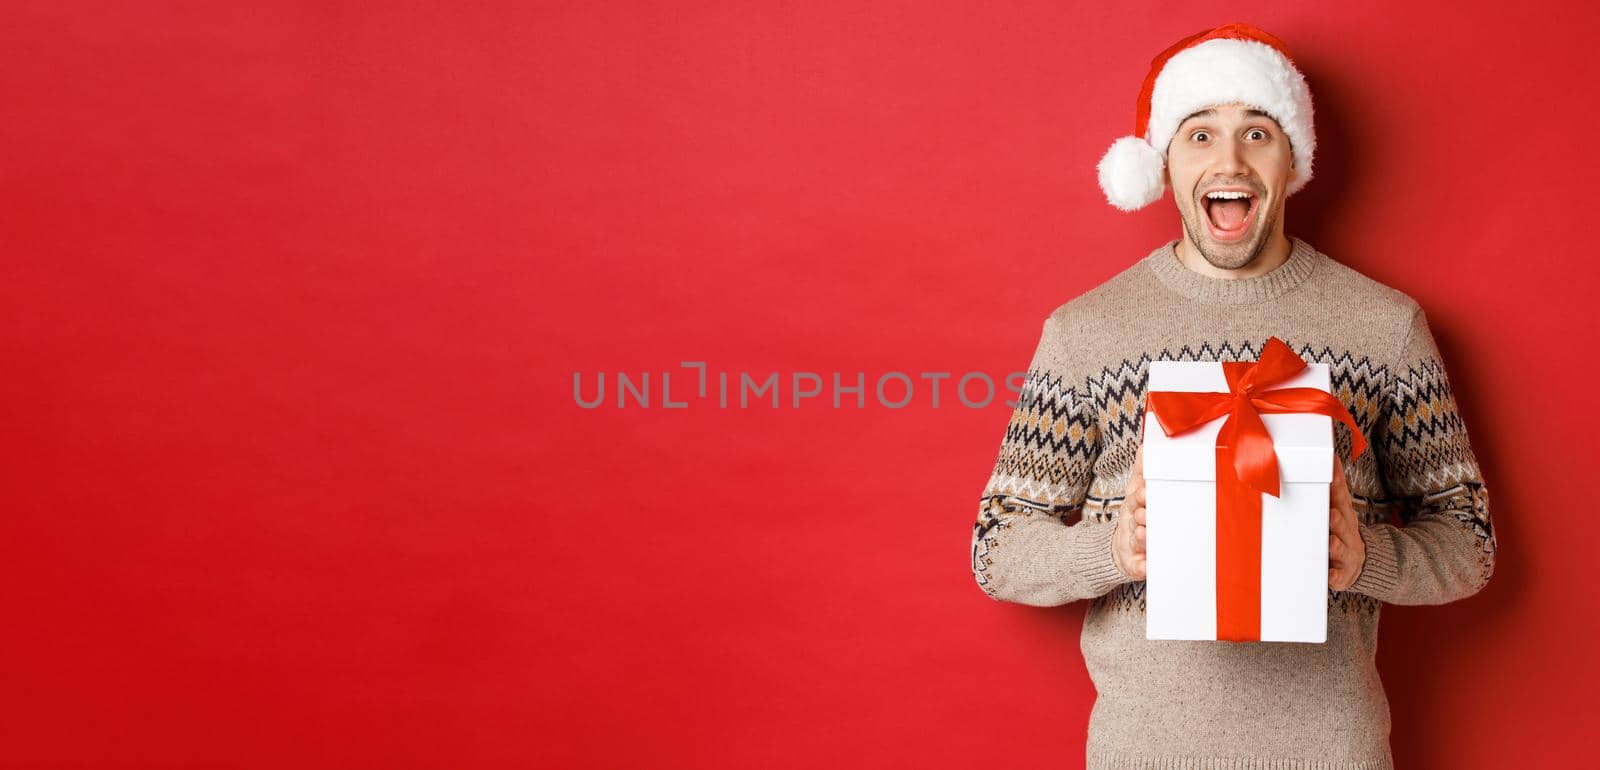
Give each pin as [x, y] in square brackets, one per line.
[1347, 552]
[1127, 542]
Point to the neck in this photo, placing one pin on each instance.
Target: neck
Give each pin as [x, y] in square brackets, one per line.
[1273, 254]
[1211, 290]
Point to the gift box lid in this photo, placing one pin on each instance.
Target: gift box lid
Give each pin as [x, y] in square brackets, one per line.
[1304, 442]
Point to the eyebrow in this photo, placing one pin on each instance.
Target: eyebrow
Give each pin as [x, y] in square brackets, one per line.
[1252, 113]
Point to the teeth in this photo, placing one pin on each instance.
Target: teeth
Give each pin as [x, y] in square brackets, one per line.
[1227, 195]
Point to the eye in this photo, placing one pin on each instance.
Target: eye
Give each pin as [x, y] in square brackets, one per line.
[1200, 136]
[1254, 132]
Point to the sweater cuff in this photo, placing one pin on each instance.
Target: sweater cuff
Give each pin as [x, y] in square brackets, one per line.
[1380, 575]
[1092, 560]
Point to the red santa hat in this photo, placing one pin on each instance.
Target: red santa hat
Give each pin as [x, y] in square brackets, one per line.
[1232, 63]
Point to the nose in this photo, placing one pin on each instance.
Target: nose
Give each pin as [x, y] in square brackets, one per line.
[1230, 158]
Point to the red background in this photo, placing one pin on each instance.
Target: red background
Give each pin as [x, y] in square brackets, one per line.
[293, 296]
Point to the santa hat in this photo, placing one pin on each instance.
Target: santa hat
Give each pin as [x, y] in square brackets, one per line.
[1232, 63]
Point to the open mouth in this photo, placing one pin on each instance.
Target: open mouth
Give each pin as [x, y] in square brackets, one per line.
[1229, 213]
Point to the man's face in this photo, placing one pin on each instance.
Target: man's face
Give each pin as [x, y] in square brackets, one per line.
[1217, 154]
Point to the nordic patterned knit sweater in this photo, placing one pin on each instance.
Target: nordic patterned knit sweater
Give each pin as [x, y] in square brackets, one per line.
[1043, 532]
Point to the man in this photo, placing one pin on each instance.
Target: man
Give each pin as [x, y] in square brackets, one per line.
[1226, 123]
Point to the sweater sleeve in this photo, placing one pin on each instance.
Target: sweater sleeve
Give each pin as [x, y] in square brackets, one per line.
[1025, 546]
[1445, 549]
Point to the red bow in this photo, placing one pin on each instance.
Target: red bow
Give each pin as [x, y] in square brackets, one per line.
[1247, 465]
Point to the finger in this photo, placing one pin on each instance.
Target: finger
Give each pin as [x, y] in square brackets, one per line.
[1139, 516]
[1345, 519]
[1138, 539]
[1335, 549]
[1341, 486]
[1132, 503]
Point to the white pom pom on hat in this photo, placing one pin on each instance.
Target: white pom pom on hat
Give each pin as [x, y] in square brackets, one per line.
[1232, 63]
[1131, 173]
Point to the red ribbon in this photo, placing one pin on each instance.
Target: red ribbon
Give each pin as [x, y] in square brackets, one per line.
[1247, 467]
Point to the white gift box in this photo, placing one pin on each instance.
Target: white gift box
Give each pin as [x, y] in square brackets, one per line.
[1181, 521]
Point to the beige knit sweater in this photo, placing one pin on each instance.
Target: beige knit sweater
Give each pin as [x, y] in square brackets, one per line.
[1043, 533]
